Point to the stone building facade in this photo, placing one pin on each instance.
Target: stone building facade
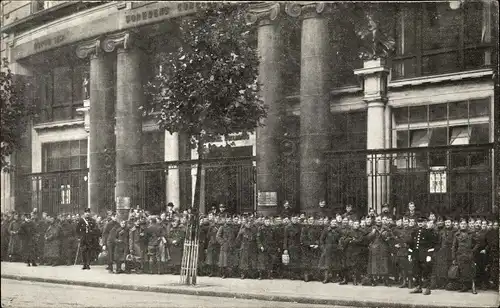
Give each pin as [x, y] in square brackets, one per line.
[415, 126]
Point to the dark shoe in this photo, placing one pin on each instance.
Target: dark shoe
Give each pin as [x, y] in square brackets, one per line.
[416, 290]
[28, 264]
[427, 291]
[386, 282]
[84, 267]
[306, 277]
[343, 282]
[33, 264]
[355, 281]
[463, 289]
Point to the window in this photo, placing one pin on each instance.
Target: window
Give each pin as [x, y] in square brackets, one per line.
[432, 38]
[153, 147]
[66, 155]
[349, 131]
[60, 92]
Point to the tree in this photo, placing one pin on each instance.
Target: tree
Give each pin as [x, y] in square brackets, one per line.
[14, 115]
[207, 86]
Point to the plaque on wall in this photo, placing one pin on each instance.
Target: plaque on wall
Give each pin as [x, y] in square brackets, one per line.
[267, 198]
[437, 180]
[123, 203]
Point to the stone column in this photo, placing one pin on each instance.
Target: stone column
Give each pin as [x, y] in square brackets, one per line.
[314, 100]
[173, 180]
[101, 128]
[375, 74]
[268, 137]
[129, 97]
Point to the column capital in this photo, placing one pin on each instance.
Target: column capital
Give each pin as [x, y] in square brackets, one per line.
[305, 9]
[122, 40]
[89, 48]
[263, 12]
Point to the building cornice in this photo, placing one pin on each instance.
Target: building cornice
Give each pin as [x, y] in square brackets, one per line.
[59, 124]
[441, 78]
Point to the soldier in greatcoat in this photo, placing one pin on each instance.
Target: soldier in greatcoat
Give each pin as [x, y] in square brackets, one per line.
[137, 245]
[154, 235]
[52, 243]
[225, 238]
[175, 246]
[5, 237]
[309, 243]
[121, 245]
[15, 249]
[27, 234]
[279, 233]
[247, 248]
[68, 240]
[234, 252]
[464, 246]
[354, 240]
[108, 235]
[212, 246]
[443, 256]
[330, 261]
[379, 252]
[481, 257]
[492, 252]
[291, 246]
[203, 270]
[266, 247]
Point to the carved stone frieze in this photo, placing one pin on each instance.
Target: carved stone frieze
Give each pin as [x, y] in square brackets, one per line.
[305, 9]
[117, 40]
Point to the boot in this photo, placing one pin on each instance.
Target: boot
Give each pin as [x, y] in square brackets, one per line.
[464, 288]
[306, 277]
[410, 283]
[404, 284]
[243, 274]
[355, 280]
[427, 291]
[260, 275]
[109, 268]
[418, 289]
[211, 271]
[270, 275]
[344, 281]
[386, 282]
[325, 277]
[223, 272]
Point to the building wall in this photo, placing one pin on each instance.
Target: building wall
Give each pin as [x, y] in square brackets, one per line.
[14, 10]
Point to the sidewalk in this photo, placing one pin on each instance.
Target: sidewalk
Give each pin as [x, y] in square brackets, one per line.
[272, 290]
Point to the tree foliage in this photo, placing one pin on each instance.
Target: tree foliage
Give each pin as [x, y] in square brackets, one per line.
[207, 86]
[14, 115]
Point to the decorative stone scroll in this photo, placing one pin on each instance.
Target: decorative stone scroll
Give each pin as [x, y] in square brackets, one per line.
[305, 9]
[88, 48]
[122, 39]
[263, 12]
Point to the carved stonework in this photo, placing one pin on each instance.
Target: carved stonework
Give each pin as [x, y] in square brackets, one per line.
[305, 9]
[88, 48]
[117, 40]
[263, 12]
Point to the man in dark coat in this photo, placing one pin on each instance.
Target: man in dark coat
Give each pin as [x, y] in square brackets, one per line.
[330, 261]
[291, 246]
[68, 240]
[421, 249]
[443, 256]
[212, 246]
[107, 239]
[86, 229]
[175, 245]
[266, 245]
[324, 210]
[5, 236]
[492, 252]
[354, 243]
[41, 227]
[481, 257]
[15, 249]
[247, 248]
[309, 243]
[287, 210]
[120, 237]
[52, 247]
[27, 234]
[464, 247]
[137, 245]
[154, 236]
[350, 214]
[412, 212]
[379, 252]
[225, 238]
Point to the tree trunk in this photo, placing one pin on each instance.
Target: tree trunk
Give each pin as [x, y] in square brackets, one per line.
[197, 190]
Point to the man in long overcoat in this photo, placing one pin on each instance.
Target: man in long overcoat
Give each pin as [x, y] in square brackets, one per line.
[266, 246]
[15, 249]
[154, 235]
[68, 239]
[492, 251]
[443, 256]
[291, 246]
[464, 246]
[309, 243]
[137, 245]
[379, 252]
[354, 248]
[108, 240]
[212, 246]
[225, 238]
[330, 261]
[52, 246]
[175, 245]
[120, 237]
[247, 248]
[27, 234]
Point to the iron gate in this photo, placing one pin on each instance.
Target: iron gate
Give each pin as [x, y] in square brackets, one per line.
[446, 180]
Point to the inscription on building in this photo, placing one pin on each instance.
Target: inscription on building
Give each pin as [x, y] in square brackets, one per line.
[162, 10]
[46, 43]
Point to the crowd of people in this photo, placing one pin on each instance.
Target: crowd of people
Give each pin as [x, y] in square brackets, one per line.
[411, 250]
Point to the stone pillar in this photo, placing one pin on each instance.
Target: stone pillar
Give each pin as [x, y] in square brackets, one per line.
[129, 97]
[173, 180]
[375, 74]
[268, 137]
[101, 128]
[314, 100]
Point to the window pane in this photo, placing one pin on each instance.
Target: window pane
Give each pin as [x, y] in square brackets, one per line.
[440, 63]
[83, 162]
[402, 139]
[419, 138]
[459, 135]
[479, 108]
[75, 162]
[418, 114]
[458, 110]
[474, 58]
[473, 14]
[62, 85]
[480, 133]
[440, 26]
[401, 115]
[65, 149]
[75, 147]
[439, 136]
[77, 79]
[405, 31]
[405, 68]
[54, 150]
[65, 163]
[438, 112]
[83, 146]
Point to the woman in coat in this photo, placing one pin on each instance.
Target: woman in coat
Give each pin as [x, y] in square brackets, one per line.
[379, 256]
[330, 261]
[52, 245]
[175, 246]
[121, 246]
[463, 249]
[248, 248]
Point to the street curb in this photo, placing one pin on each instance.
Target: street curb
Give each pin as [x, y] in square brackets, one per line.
[263, 296]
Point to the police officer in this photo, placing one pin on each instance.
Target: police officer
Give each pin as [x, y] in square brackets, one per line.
[421, 247]
[86, 230]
